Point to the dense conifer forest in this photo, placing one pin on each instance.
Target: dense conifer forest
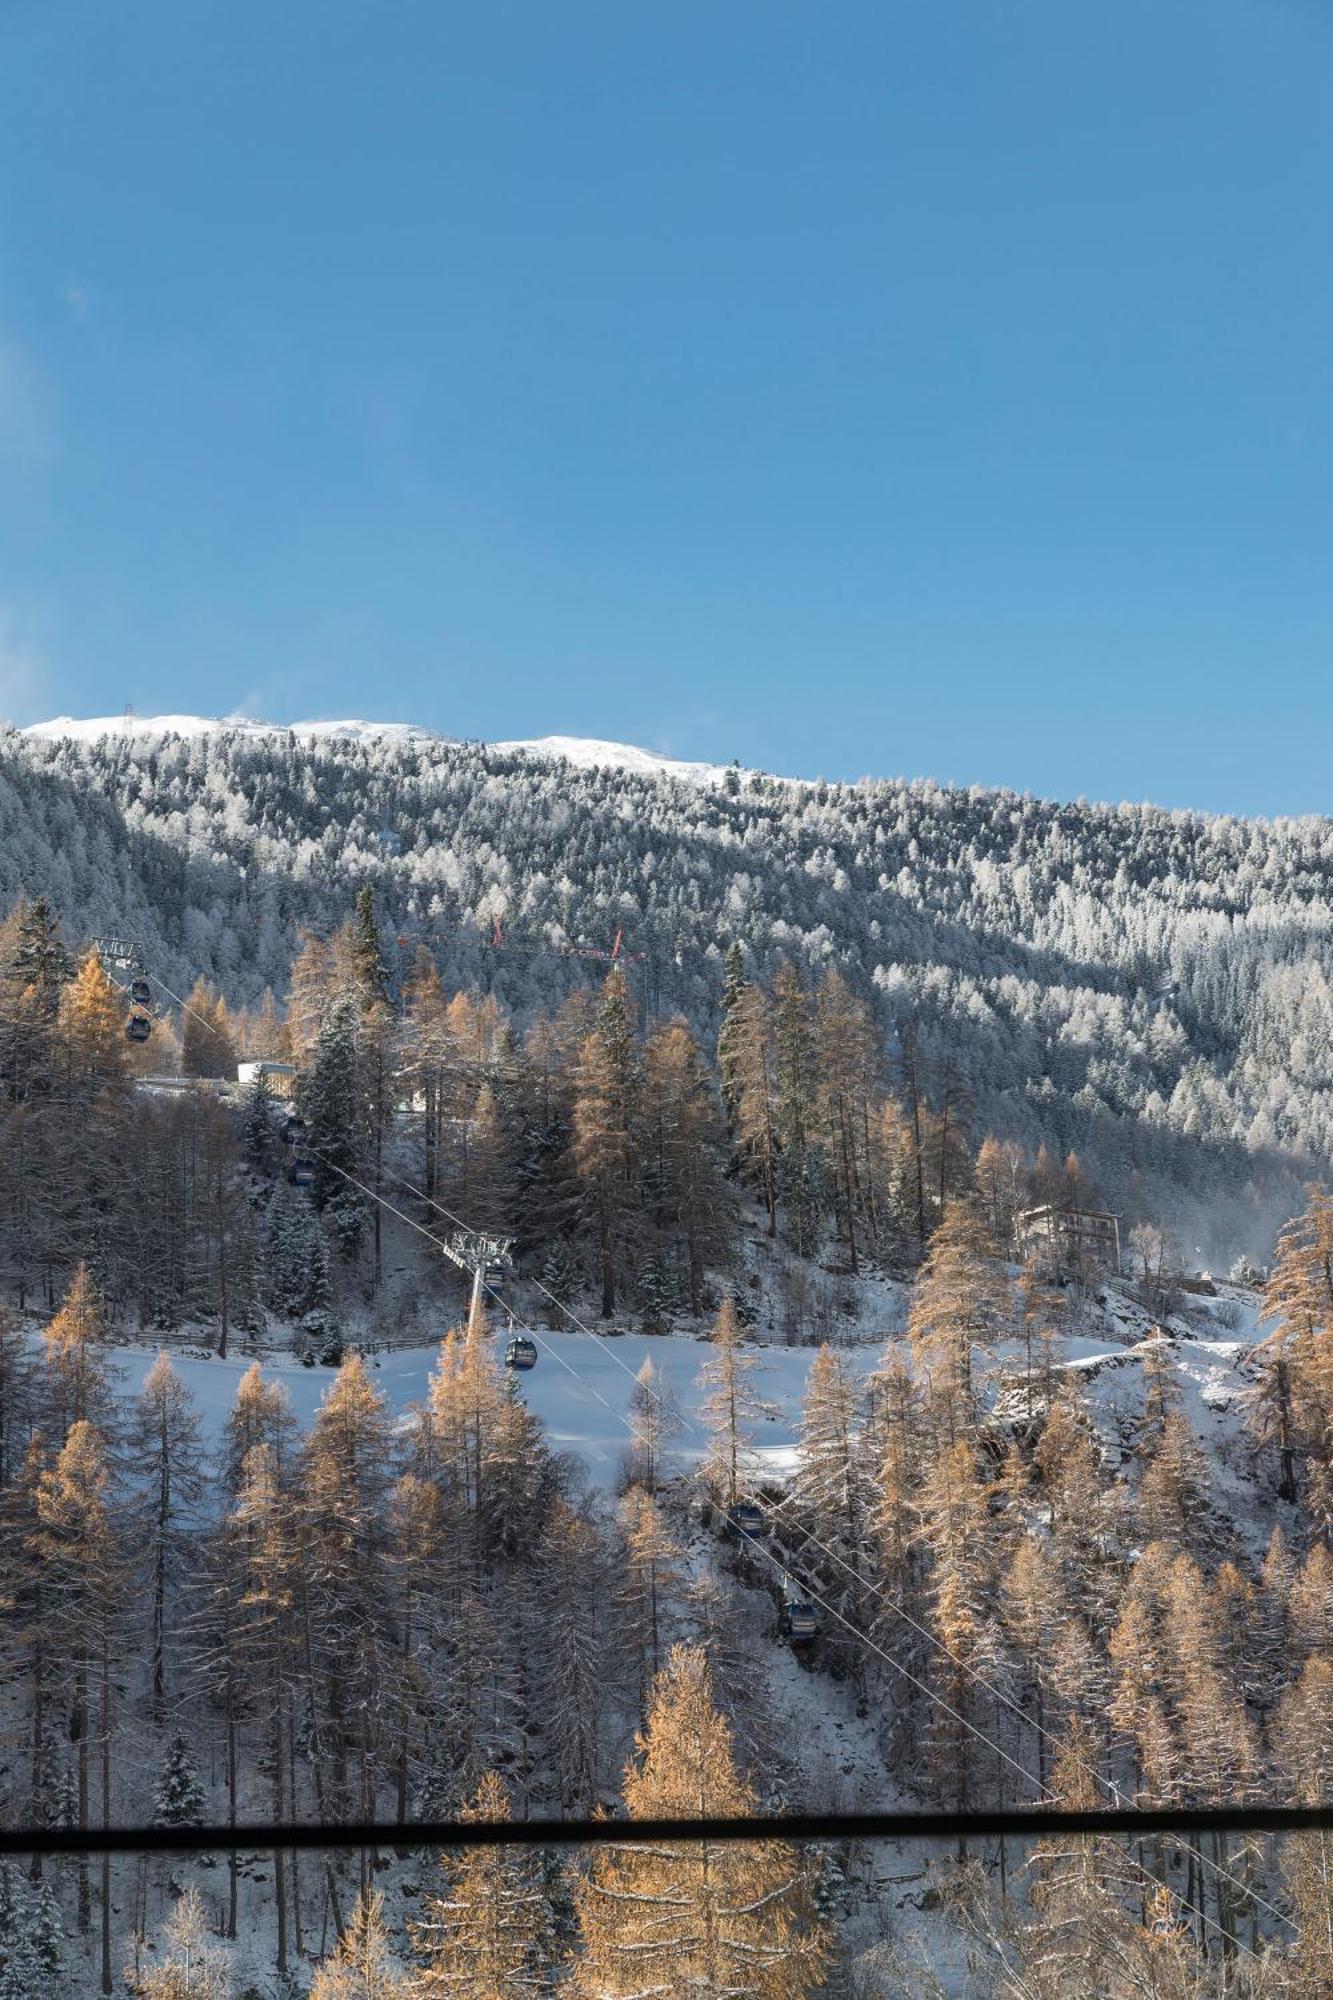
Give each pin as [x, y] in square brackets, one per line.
[1148, 988]
[1023, 1586]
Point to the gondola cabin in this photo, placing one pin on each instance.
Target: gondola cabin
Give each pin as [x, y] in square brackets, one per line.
[138, 1028]
[140, 996]
[301, 1172]
[745, 1518]
[521, 1352]
[800, 1622]
[295, 1132]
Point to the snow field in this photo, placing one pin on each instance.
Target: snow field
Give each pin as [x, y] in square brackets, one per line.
[580, 1389]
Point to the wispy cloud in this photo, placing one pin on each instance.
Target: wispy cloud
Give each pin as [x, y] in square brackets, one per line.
[77, 297]
[250, 707]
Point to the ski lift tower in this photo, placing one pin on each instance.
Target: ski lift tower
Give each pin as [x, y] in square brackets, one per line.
[487, 1260]
[125, 954]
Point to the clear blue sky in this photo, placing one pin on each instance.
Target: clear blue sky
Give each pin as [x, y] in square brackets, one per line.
[918, 386]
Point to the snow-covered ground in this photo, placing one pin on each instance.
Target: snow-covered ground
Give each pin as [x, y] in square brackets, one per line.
[580, 1389]
[91, 728]
[581, 1386]
[584, 751]
[588, 751]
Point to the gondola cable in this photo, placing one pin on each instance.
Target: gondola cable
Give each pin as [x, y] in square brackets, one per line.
[772, 1509]
[831, 1611]
[1216, 1867]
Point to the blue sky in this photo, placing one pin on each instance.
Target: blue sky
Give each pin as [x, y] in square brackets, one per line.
[902, 387]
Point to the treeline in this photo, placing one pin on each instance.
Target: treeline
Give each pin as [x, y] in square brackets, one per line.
[619, 1157]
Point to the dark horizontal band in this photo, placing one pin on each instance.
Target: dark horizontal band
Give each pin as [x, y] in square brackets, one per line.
[1032, 1823]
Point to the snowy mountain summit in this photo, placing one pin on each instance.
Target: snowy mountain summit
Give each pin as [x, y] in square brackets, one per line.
[588, 753]
[1148, 989]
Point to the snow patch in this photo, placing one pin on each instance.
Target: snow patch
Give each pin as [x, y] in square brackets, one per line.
[588, 752]
[585, 752]
[580, 1390]
[92, 728]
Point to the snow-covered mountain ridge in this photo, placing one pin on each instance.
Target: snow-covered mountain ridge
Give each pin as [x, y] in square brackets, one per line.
[1151, 989]
[587, 752]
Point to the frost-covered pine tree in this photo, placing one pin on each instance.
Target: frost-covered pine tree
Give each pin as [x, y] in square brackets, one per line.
[296, 1260]
[16, 1967]
[178, 1795]
[40, 957]
[575, 1576]
[799, 1169]
[46, 1934]
[333, 1101]
[561, 1276]
[728, 1061]
[259, 1133]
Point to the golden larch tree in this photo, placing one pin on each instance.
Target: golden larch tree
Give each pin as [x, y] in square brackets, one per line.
[707, 1917]
[490, 1936]
[93, 1020]
[730, 1405]
[74, 1346]
[362, 1967]
[960, 1301]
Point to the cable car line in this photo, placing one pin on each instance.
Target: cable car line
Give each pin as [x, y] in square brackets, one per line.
[775, 1561]
[412, 1223]
[767, 1553]
[829, 1610]
[393, 1209]
[772, 1508]
[126, 955]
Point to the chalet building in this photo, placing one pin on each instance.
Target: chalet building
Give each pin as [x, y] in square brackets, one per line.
[280, 1076]
[1068, 1242]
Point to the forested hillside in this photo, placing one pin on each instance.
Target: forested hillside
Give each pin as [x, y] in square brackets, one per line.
[1111, 979]
[875, 1515]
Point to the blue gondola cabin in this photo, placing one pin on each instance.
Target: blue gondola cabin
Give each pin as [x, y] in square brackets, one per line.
[745, 1518]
